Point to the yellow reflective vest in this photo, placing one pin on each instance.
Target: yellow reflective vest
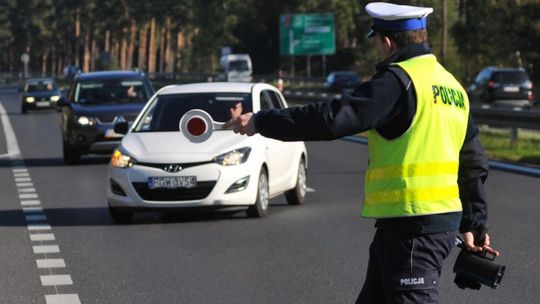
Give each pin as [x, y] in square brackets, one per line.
[416, 173]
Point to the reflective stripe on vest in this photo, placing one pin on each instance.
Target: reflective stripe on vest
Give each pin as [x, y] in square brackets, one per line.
[416, 174]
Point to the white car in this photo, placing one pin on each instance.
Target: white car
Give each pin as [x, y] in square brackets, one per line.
[156, 166]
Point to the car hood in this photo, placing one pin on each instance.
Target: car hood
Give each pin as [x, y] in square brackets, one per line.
[165, 147]
[107, 112]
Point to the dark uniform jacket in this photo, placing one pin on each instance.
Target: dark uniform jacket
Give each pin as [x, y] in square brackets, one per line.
[384, 104]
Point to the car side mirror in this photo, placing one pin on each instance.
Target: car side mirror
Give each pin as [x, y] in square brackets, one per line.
[121, 127]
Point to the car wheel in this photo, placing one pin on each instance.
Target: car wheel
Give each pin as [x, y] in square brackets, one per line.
[260, 208]
[297, 195]
[120, 215]
[70, 156]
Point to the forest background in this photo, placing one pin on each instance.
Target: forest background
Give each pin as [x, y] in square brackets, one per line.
[186, 36]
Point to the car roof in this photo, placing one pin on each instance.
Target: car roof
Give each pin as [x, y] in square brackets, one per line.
[211, 87]
[110, 75]
[37, 80]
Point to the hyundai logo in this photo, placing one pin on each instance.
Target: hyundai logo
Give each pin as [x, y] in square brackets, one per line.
[172, 168]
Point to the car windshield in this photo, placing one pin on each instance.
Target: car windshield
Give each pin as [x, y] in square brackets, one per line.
[510, 77]
[238, 65]
[40, 86]
[164, 113]
[109, 91]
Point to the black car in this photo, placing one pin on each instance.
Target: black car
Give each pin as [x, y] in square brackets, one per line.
[39, 93]
[341, 82]
[502, 86]
[95, 102]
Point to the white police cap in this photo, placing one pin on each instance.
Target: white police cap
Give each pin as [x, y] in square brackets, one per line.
[397, 18]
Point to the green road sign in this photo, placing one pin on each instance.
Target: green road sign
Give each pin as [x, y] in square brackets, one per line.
[307, 34]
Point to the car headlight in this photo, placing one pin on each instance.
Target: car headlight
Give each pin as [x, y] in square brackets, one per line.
[86, 121]
[121, 160]
[55, 98]
[234, 157]
[30, 99]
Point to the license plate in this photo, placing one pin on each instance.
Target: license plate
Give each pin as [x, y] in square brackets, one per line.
[111, 134]
[511, 89]
[43, 103]
[172, 182]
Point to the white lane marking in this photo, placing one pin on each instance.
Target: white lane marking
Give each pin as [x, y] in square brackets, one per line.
[62, 299]
[308, 189]
[11, 138]
[19, 185]
[35, 217]
[30, 203]
[38, 237]
[50, 263]
[26, 190]
[56, 279]
[22, 179]
[32, 209]
[36, 227]
[46, 249]
[28, 195]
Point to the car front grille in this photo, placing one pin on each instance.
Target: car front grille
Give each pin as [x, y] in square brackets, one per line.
[201, 191]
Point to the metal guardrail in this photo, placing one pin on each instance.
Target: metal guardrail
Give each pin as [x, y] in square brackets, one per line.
[503, 117]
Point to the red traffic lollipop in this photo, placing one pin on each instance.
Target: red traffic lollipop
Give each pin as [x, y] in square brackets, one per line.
[197, 125]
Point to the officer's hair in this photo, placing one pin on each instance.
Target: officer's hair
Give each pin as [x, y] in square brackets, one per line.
[405, 38]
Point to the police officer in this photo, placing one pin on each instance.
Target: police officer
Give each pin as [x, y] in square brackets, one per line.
[424, 182]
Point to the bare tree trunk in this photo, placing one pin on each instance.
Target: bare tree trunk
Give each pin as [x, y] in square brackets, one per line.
[152, 48]
[131, 45]
[444, 32]
[86, 61]
[93, 55]
[180, 45]
[169, 59]
[124, 49]
[107, 41]
[77, 34]
[44, 63]
[161, 49]
[143, 37]
[115, 50]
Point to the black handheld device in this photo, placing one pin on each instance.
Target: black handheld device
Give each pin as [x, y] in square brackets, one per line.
[476, 269]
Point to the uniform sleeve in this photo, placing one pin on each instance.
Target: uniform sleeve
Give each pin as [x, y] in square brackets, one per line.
[371, 105]
[473, 171]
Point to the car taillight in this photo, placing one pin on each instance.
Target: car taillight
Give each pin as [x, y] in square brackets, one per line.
[530, 96]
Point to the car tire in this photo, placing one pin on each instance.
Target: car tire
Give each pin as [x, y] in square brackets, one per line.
[70, 155]
[120, 215]
[297, 195]
[260, 207]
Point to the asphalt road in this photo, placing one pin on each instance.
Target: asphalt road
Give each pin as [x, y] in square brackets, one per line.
[315, 253]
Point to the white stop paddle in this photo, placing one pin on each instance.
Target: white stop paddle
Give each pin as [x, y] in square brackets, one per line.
[197, 125]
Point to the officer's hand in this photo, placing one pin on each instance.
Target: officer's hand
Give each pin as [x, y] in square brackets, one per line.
[468, 241]
[243, 124]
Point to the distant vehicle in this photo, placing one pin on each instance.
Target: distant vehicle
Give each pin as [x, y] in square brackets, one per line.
[502, 86]
[341, 82]
[157, 167]
[94, 103]
[236, 67]
[39, 93]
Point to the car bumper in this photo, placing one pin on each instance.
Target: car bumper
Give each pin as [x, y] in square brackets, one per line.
[129, 187]
[38, 105]
[99, 139]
